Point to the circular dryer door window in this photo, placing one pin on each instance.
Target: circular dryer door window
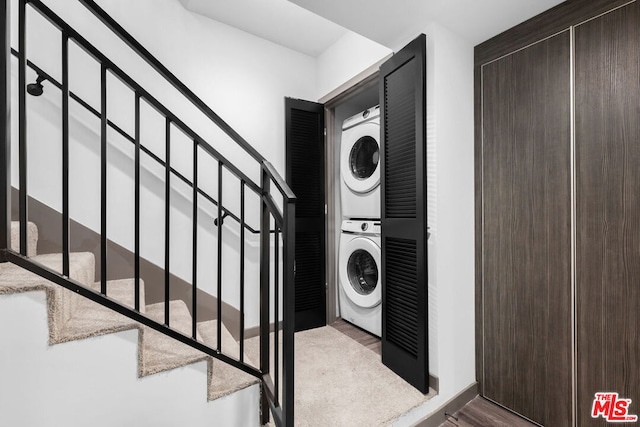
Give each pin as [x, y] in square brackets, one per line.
[360, 157]
[359, 271]
[364, 157]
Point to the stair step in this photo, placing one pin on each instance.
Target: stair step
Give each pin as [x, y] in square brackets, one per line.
[15, 279]
[32, 237]
[161, 353]
[62, 302]
[91, 319]
[224, 379]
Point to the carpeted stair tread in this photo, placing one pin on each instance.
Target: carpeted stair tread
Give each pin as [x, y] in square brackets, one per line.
[14, 279]
[92, 319]
[160, 353]
[32, 237]
[223, 379]
[61, 302]
[73, 317]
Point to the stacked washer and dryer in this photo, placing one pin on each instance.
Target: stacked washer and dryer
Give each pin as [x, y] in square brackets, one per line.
[360, 294]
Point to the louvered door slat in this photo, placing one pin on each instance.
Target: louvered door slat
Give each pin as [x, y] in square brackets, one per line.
[404, 225]
[305, 175]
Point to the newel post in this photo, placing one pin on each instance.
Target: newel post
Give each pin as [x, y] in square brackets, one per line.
[5, 126]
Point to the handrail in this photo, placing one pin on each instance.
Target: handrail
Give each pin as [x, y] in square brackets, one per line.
[126, 37]
[131, 139]
[143, 52]
[280, 183]
[133, 85]
[276, 286]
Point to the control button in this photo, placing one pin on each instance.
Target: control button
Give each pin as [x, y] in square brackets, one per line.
[364, 226]
[365, 114]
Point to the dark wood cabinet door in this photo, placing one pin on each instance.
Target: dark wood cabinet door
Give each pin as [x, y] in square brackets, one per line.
[305, 174]
[526, 231]
[607, 81]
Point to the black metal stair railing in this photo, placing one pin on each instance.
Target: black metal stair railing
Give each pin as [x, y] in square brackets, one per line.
[276, 224]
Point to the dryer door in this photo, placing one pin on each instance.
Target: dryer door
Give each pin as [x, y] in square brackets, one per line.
[360, 272]
[360, 157]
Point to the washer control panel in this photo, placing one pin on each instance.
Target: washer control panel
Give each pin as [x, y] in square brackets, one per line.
[361, 226]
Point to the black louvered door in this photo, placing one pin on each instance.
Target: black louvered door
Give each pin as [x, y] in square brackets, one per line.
[305, 175]
[404, 214]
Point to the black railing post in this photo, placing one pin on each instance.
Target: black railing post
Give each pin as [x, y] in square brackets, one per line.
[167, 222]
[65, 155]
[242, 243]
[5, 123]
[265, 243]
[194, 241]
[276, 315]
[288, 294]
[219, 278]
[136, 207]
[103, 179]
[22, 124]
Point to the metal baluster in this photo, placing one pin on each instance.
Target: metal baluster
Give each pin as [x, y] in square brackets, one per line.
[242, 226]
[5, 140]
[65, 155]
[103, 179]
[167, 213]
[136, 267]
[194, 302]
[265, 223]
[22, 112]
[219, 338]
[276, 316]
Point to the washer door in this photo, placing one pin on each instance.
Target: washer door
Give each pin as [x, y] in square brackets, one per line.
[360, 157]
[360, 271]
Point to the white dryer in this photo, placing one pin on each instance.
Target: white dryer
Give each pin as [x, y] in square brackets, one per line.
[359, 273]
[360, 165]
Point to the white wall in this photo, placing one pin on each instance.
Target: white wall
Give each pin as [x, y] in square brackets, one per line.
[241, 77]
[94, 382]
[346, 58]
[450, 209]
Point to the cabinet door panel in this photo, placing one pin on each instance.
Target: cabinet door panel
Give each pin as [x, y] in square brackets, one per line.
[526, 237]
[608, 209]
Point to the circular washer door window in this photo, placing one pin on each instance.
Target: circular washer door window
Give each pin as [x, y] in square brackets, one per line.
[359, 271]
[362, 272]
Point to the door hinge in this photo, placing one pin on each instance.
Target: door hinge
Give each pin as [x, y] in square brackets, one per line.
[326, 209]
[325, 131]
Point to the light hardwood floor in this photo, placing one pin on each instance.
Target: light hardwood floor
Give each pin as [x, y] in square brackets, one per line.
[359, 335]
[483, 413]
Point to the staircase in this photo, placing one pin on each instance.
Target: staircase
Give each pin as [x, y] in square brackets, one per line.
[72, 317]
[78, 306]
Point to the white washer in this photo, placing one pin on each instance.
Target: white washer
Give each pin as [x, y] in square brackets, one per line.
[360, 165]
[359, 273]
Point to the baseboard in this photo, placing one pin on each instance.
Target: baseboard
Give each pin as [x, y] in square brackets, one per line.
[434, 383]
[453, 405]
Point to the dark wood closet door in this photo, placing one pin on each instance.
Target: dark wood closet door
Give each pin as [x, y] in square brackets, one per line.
[404, 214]
[526, 237]
[305, 174]
[608, 209]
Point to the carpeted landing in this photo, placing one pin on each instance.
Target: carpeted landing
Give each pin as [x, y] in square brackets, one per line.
[339, 382]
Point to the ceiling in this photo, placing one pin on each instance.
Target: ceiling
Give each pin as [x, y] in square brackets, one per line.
[278, 21]
[311, 26]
